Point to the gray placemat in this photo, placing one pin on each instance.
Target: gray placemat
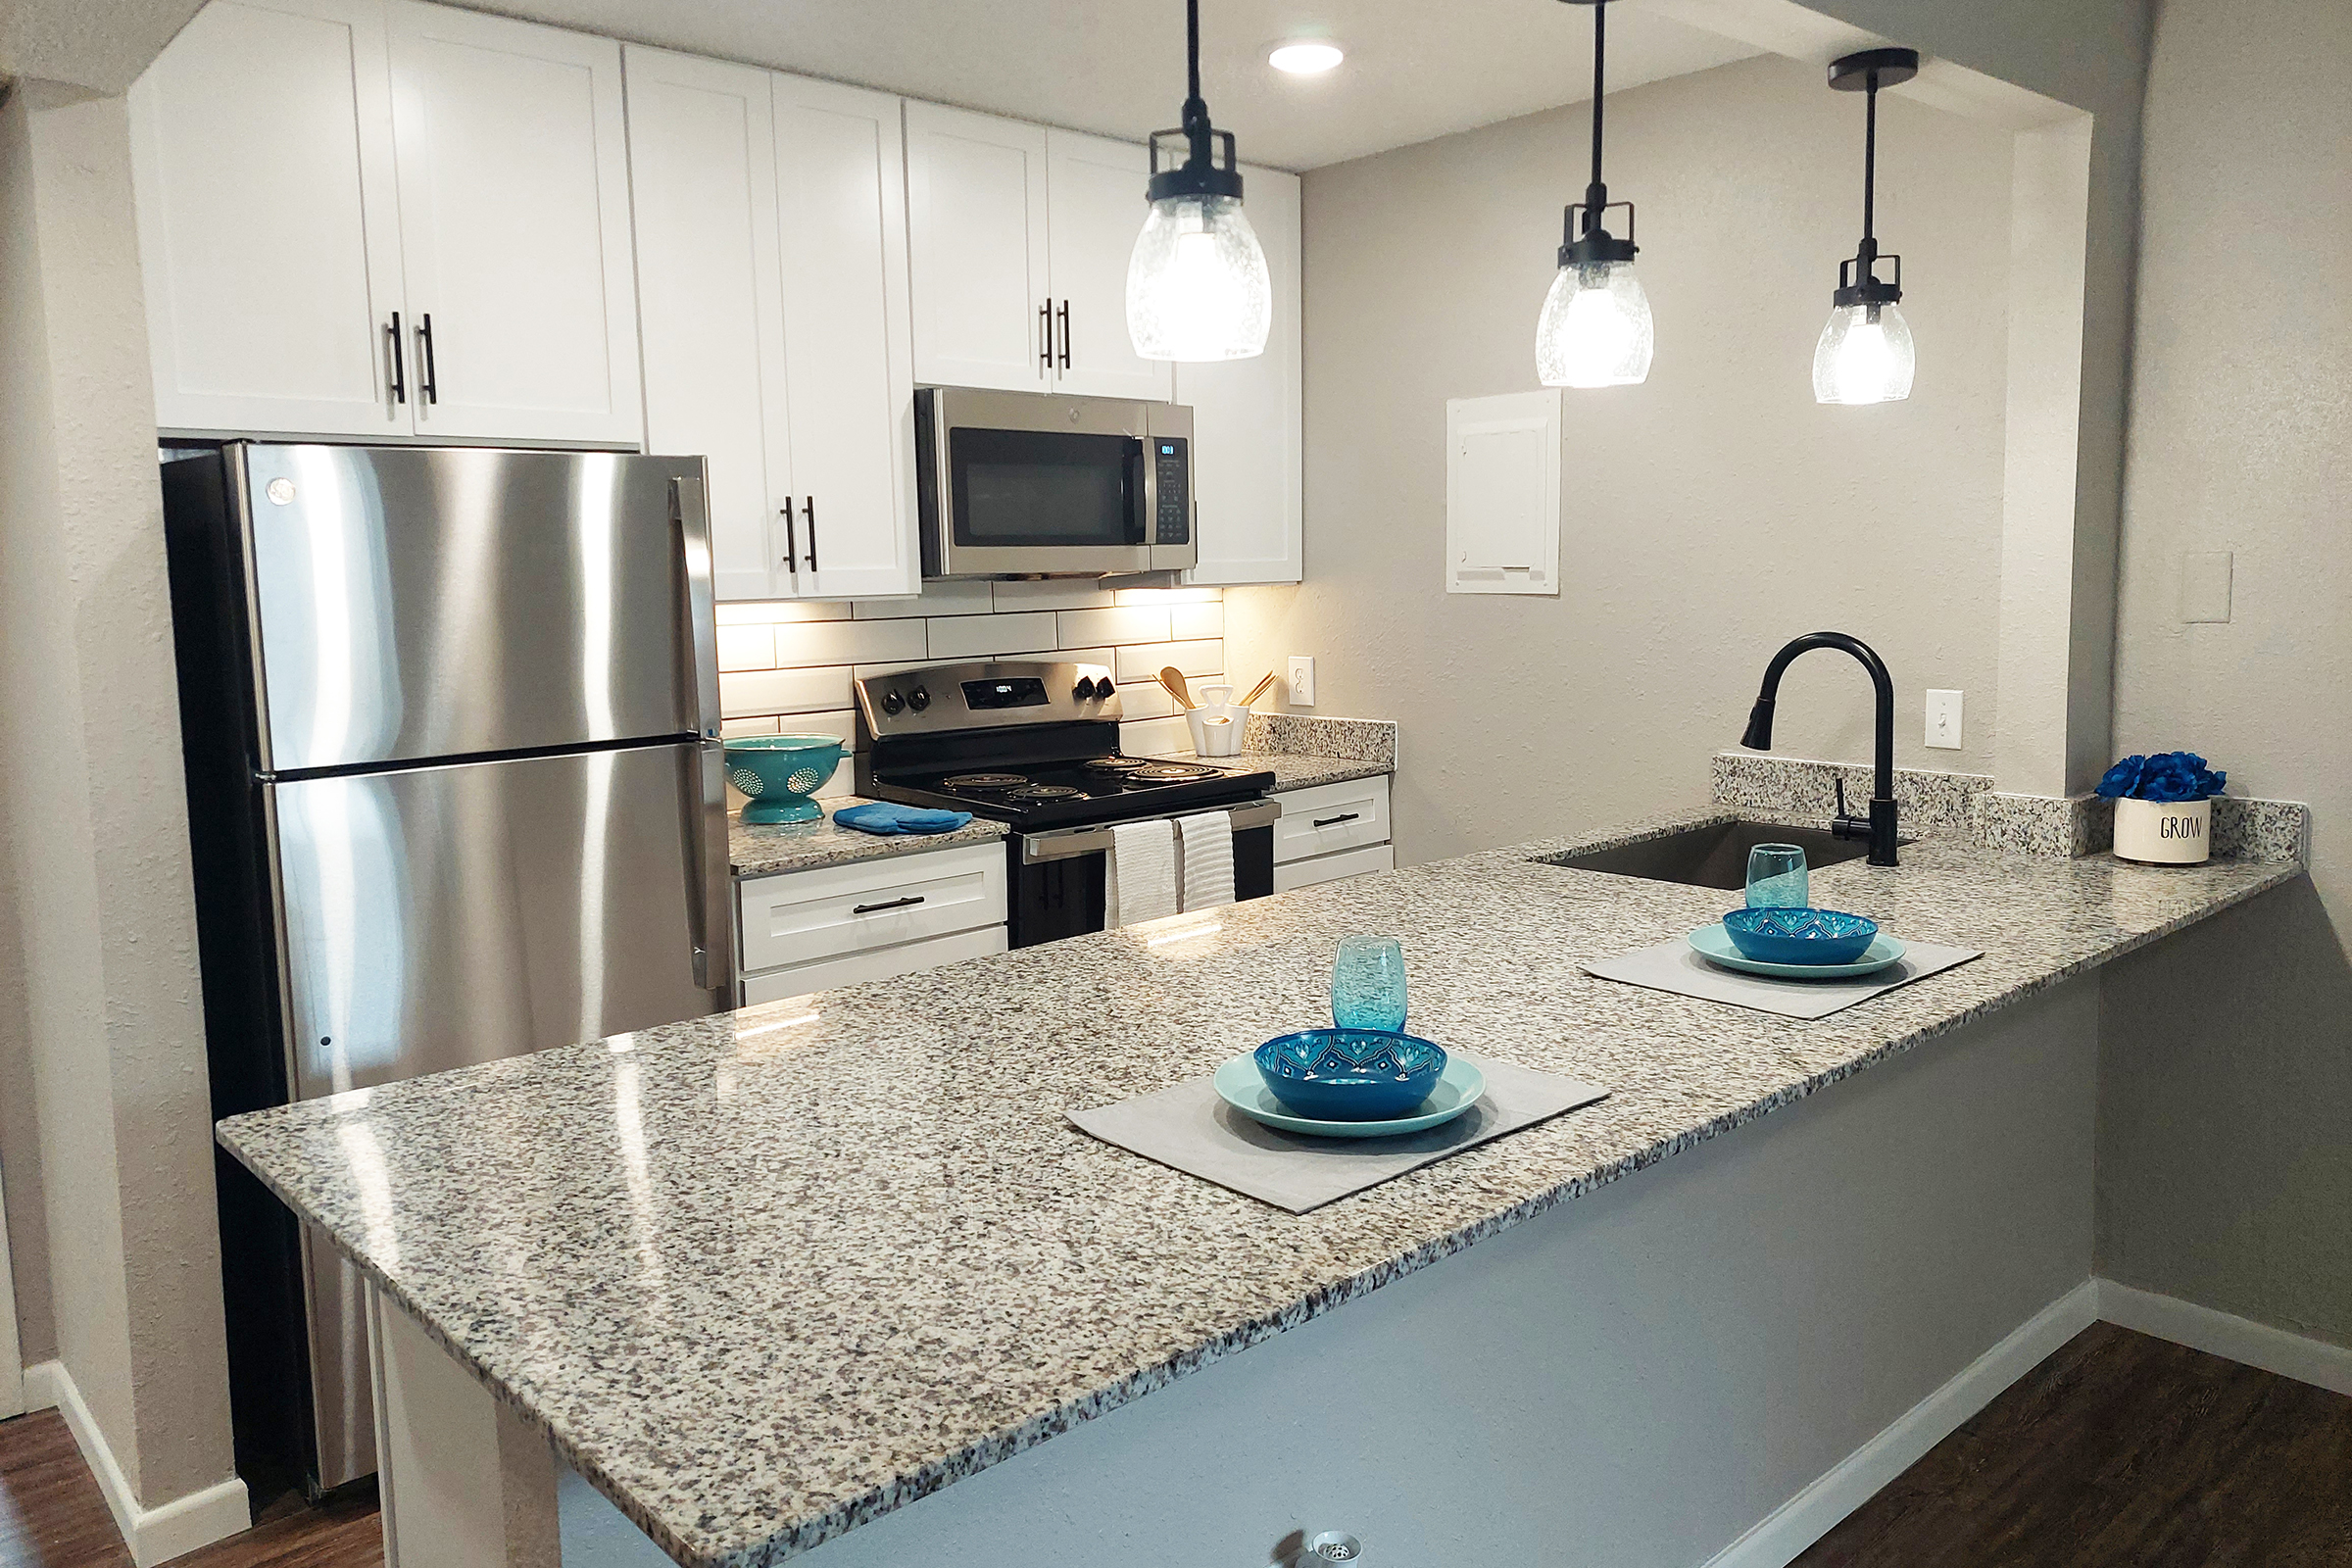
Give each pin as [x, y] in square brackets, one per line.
[1191, 1128]
[1675, 966]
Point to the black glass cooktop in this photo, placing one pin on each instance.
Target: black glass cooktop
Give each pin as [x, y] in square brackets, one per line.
[1102, 788]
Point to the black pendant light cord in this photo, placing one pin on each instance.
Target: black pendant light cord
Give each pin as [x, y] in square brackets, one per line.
[1869, 170]
[1866, 73]
[1196, 107]
[1584, 239]
[1201, 173]
[1596, 194]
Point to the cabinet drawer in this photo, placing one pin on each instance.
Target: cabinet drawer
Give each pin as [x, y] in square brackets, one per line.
[1331, 868]
[800, 916]
[881, 963]
[1330, 817]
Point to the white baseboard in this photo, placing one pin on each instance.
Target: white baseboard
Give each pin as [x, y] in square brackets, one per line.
[2237, 1339]
[154, 1534]
[1855, 1479]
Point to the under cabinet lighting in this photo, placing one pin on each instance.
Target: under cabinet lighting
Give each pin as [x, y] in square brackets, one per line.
[1305, 59]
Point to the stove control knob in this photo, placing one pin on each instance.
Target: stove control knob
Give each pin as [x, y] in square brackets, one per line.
[1084, 691]
[892, 702]
[918, 698]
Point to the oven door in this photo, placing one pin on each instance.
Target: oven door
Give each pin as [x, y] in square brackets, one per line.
[1058, 876]
[1025, 484]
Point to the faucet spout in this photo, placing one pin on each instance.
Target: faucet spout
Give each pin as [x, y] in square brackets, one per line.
[1882, 824]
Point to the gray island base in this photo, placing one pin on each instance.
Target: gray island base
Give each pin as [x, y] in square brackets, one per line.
[825, 1278]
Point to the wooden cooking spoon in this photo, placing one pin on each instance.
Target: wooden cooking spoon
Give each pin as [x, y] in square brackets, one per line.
[1258, 690]
[1173, 679]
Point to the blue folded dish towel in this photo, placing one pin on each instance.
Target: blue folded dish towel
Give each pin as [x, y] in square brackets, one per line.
[880, 816]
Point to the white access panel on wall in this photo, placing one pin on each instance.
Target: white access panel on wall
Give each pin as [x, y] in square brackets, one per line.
[1503, 494]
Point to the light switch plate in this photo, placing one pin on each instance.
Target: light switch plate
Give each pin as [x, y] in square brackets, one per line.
[1943, 721]
[2205, 582]
[1302, 681]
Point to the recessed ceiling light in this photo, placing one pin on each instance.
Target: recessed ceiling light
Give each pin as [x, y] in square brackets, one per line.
[1305, 59]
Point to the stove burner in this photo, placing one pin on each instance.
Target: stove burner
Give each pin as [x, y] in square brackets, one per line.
[1049, 792]
[984, 781]
[1170, 772]
[1115, 765]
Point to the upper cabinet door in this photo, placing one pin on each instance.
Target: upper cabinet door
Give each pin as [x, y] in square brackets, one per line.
[261, 163]
[710, 275]
[1248, 436]
[1096, 188]
[976, 224]
[515, 237]
[841, 183]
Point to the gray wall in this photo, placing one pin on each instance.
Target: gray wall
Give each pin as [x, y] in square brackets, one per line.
[2226, 1130]
[1719, 509]
[101, 1031]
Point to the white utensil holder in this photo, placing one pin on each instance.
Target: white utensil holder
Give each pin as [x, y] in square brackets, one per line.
[1217, 731]
[2164, 832]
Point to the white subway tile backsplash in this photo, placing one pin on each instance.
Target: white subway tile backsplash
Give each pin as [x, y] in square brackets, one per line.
[842, 723]
[1145, 699]
[1156, 737]
[747, 648]
[1144, 660]
[979, 636]
[729, 728]
[1139, 624]
[1107, 658]
[750, 692]
[1169, 596]
[938, 599]
[1053, 593]
[771, 612]
[1187, 621]
[849, 642]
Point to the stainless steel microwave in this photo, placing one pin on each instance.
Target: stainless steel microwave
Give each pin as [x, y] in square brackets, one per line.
[1028, 484]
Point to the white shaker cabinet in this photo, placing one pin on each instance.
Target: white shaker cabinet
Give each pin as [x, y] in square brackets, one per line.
[514, 224]
[771, 252]
[269, 229]
[1248, 489]
[305, 171]
[1095, 209]
[976, 232]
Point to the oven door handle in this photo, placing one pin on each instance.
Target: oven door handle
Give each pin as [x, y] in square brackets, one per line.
[1060, 844]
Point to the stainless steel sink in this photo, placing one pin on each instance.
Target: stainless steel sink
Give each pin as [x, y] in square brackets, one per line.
[1714, 856]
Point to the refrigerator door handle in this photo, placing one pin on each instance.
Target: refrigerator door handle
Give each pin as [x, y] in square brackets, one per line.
[690, 513]
[712, 875]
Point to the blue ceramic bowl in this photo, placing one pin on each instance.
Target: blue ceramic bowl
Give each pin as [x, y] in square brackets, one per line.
[1351, 1074]
[1799, 936]
[779, 772]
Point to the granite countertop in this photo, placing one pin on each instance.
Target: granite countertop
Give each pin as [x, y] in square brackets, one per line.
[766, 849]
[1291, 770]
[767, 1275]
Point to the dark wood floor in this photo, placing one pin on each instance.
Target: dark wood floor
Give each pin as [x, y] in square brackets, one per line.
[2119, 1452]
[2122, 1452]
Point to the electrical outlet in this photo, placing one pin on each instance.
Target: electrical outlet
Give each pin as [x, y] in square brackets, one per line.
[1302, 681]
[1943, 721]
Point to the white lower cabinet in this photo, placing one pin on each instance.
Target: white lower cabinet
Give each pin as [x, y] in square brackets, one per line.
[1332, 831]
[804, 931]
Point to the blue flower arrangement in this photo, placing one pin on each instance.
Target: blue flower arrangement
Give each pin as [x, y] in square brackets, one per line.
[2167, 776]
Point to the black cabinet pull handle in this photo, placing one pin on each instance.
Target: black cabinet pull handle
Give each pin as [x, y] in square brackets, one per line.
[808, 511]
[431, 382]
[894, 904]
[791, 542]
[1065, 334]
[1045, 332]
[400, 374]
[1333, 822]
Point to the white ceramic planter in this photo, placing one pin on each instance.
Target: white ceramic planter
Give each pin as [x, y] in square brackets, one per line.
[2164, 832]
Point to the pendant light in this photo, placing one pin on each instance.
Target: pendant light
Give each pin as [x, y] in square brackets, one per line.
[1865, 354]
[1595, 328]
[1196, 283]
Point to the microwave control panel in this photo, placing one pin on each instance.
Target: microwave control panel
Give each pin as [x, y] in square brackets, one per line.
[1173, 472]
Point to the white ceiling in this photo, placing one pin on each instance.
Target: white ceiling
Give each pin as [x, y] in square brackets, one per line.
[1414, 69]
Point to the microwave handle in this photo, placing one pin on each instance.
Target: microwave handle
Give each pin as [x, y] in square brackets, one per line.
[1142, 483]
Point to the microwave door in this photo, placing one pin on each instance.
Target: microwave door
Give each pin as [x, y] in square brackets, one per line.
[1020, 485]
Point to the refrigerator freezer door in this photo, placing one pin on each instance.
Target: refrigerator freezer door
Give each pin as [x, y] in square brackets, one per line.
[439, 916]
[412, 604]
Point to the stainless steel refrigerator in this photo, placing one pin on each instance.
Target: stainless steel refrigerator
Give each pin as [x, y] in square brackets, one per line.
[450, 724]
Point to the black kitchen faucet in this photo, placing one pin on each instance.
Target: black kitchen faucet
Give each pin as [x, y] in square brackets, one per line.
[1880, 826]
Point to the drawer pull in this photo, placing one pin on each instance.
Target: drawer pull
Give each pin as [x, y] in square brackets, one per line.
[1333, 821]
[894, 904]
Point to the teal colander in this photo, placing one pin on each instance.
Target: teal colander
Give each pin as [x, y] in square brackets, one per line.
[780, 772]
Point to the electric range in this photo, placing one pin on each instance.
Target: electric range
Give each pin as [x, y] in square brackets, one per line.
[1035, 744]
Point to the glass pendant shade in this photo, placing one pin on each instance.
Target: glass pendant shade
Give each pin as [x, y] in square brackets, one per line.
[1865, 356]
[1595, 328]
[1198, 286]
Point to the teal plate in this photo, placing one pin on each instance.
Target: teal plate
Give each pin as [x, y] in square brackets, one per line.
[1714, 944]
[1459, 1089]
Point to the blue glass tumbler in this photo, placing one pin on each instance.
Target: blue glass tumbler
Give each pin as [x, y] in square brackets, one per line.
[1776, 878]
[1367, 984]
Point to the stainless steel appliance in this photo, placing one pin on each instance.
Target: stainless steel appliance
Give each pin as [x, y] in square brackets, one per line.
[1036, 743]
[1029, 484]
[451, 726]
